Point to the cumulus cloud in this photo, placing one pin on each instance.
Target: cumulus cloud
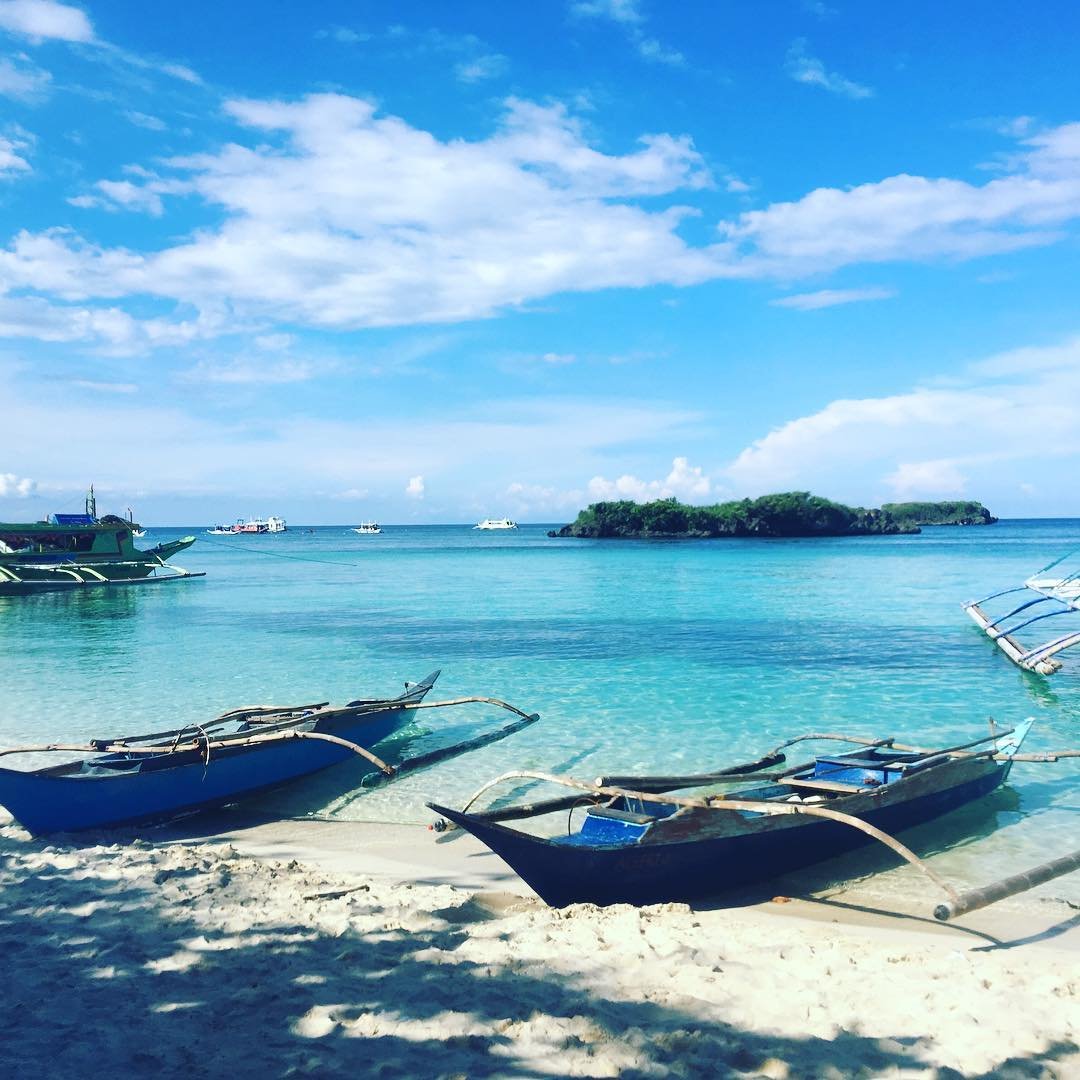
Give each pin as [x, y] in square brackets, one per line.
[917, 217]
[41, 20]
[810, 70]
[360, 220]
[415, 487]
[831, 298]
[331, 215]
[927, 479]
[14, 487]
[685, 482]
[1013, 414]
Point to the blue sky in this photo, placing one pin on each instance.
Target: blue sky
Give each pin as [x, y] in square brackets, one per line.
[437, 262]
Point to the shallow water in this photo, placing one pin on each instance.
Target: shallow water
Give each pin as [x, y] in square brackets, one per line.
[646, 656]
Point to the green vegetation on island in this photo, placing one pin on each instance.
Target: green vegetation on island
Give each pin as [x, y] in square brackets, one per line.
[965, 512]
[789, 514]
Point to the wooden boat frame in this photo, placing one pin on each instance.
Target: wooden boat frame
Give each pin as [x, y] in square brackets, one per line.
[158, 775]
[1063, 593]
[681, 847]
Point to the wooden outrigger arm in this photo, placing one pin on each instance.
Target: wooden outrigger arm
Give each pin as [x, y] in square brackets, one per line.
[1063, 591]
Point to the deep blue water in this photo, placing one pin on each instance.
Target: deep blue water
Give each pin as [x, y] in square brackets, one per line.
[638, 655]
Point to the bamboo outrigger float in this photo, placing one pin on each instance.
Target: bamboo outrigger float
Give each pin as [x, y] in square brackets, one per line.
[638, 844]
[1062, 593]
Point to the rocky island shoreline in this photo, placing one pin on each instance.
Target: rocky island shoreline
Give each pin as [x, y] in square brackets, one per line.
[788, 514]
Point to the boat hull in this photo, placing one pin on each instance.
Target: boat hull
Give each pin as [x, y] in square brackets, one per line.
[700, 866]
[49, 801]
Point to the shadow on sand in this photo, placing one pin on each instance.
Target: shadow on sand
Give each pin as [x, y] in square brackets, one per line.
[172, 969]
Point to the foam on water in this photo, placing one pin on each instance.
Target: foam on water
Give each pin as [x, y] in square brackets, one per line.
[638, 655]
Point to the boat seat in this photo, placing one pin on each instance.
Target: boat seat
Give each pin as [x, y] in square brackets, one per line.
[828, 785]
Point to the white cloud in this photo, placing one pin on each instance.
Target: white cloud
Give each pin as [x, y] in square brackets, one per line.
[620, 11]
[831, 297]
[352, 494]
[105, 387]
[22, 81]
[808, 69]
[249, 373]
[364, 221]
[1013, 414]
[685, 482]
[45, 19]
[488, 66]
[627, 14]
[145, 120]
[14, 487]
[916, 217]
[938, 479]
[11, 161]
[538, 499]
[415, 487]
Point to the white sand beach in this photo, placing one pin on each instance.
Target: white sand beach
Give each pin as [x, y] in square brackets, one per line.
[312, 948]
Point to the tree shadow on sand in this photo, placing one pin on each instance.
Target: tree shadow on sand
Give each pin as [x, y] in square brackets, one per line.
[174, 968]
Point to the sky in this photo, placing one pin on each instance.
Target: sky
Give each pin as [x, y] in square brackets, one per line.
[433, 262]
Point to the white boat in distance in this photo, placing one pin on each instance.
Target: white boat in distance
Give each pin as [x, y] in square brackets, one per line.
[496, 523]
[368, 527]
[252, 525]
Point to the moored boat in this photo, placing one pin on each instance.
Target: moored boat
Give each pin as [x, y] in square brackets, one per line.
[153, 777]
[71, 551]
[637, 844]
[366, 528]
[491, 524]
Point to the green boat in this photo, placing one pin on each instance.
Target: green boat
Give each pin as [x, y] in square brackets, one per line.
[80, 551]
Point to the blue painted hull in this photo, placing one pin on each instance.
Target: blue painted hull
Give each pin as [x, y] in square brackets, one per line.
[692, 867]
[48, 801]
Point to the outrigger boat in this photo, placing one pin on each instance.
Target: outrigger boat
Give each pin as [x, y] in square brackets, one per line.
[75, 551]
[1061, 592]
[635, 844]
[147, 778]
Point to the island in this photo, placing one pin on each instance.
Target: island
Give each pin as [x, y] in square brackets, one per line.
[788, 514]
[940, 513]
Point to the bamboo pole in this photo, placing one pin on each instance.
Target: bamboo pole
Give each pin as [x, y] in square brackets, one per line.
[989, 894]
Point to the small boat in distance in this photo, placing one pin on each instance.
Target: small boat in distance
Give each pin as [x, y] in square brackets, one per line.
[635, 844]
[71, 551]
[367, 528]
[251, 526]
[489, 524]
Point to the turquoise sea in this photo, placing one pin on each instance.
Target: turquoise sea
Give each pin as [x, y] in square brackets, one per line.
[651, 656]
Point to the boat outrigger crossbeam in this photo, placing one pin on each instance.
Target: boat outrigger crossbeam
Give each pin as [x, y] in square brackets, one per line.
[1062, 593]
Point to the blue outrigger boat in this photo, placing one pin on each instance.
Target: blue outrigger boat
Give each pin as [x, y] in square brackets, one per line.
[153, 777]
[637, 845]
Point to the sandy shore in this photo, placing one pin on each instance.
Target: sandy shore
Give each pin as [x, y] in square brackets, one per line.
[308, 948]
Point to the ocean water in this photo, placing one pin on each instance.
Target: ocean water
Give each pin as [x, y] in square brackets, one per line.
[639, 656]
